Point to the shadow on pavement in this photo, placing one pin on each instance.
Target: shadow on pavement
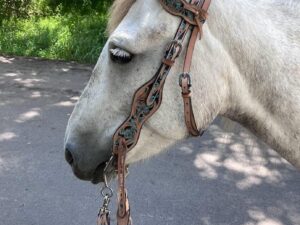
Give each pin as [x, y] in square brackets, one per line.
[221, 178]
[227, 177]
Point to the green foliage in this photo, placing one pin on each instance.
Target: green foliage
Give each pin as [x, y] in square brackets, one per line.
[13, 8]
[81, 6]
[54, 29]
[28, 8]
[71, 37]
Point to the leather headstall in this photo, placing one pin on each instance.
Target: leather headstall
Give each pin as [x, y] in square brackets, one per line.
[147, 100]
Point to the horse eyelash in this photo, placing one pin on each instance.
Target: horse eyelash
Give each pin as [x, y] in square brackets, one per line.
[120, 52]
[120, 56]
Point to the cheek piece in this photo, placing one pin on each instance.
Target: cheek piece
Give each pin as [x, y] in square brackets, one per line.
[147, 100]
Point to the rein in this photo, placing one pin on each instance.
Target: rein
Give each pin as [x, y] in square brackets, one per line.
[147, 100]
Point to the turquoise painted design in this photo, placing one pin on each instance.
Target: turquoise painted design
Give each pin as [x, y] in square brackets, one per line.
[147, 99]
[129, 131]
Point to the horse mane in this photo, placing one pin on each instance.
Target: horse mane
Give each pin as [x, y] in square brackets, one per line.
[117, 12]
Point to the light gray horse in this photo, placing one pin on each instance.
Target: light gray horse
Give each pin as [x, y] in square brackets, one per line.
[246, 68]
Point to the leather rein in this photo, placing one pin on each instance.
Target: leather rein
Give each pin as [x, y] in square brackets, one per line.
[147, 100]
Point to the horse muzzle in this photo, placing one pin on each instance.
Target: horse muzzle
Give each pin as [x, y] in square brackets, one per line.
[79, 168]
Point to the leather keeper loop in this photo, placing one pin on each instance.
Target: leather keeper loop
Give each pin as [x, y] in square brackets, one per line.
[191, 13]
[186, 95]
[168, 62]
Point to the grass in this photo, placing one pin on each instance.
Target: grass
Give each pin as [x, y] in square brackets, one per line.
[69, 37]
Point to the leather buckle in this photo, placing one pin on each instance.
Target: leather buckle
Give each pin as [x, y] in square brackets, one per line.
[185, 76]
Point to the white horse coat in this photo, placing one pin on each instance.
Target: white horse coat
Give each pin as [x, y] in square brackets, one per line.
[246, 68]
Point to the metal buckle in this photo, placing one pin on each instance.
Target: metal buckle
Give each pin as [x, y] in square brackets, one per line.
[185, 76]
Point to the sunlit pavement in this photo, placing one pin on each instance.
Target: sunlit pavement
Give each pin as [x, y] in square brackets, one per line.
[226, 177]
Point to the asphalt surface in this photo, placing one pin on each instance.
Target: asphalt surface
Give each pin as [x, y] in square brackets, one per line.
[227, 177]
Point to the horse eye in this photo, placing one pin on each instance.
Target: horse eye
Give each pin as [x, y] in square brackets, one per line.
[120, 56]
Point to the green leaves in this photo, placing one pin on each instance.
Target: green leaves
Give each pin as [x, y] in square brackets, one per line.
[54, 29]
[82, 7]
[32, 8]
[69, 37]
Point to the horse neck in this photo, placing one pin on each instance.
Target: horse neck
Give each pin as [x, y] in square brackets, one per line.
[253, 46]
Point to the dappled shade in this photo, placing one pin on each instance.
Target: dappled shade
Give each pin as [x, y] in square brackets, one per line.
[225, 177]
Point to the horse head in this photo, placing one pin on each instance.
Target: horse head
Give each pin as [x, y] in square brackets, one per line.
[133, 52]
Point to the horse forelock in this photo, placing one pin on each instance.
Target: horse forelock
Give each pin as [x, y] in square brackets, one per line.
[118, 11]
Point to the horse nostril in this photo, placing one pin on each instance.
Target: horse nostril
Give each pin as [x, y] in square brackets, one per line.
[69, 157]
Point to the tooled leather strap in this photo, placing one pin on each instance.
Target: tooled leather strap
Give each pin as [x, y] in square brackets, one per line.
[147, 99]
[123, 213]
[185, 79]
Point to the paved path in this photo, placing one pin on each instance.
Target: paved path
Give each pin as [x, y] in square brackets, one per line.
[224, 178]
